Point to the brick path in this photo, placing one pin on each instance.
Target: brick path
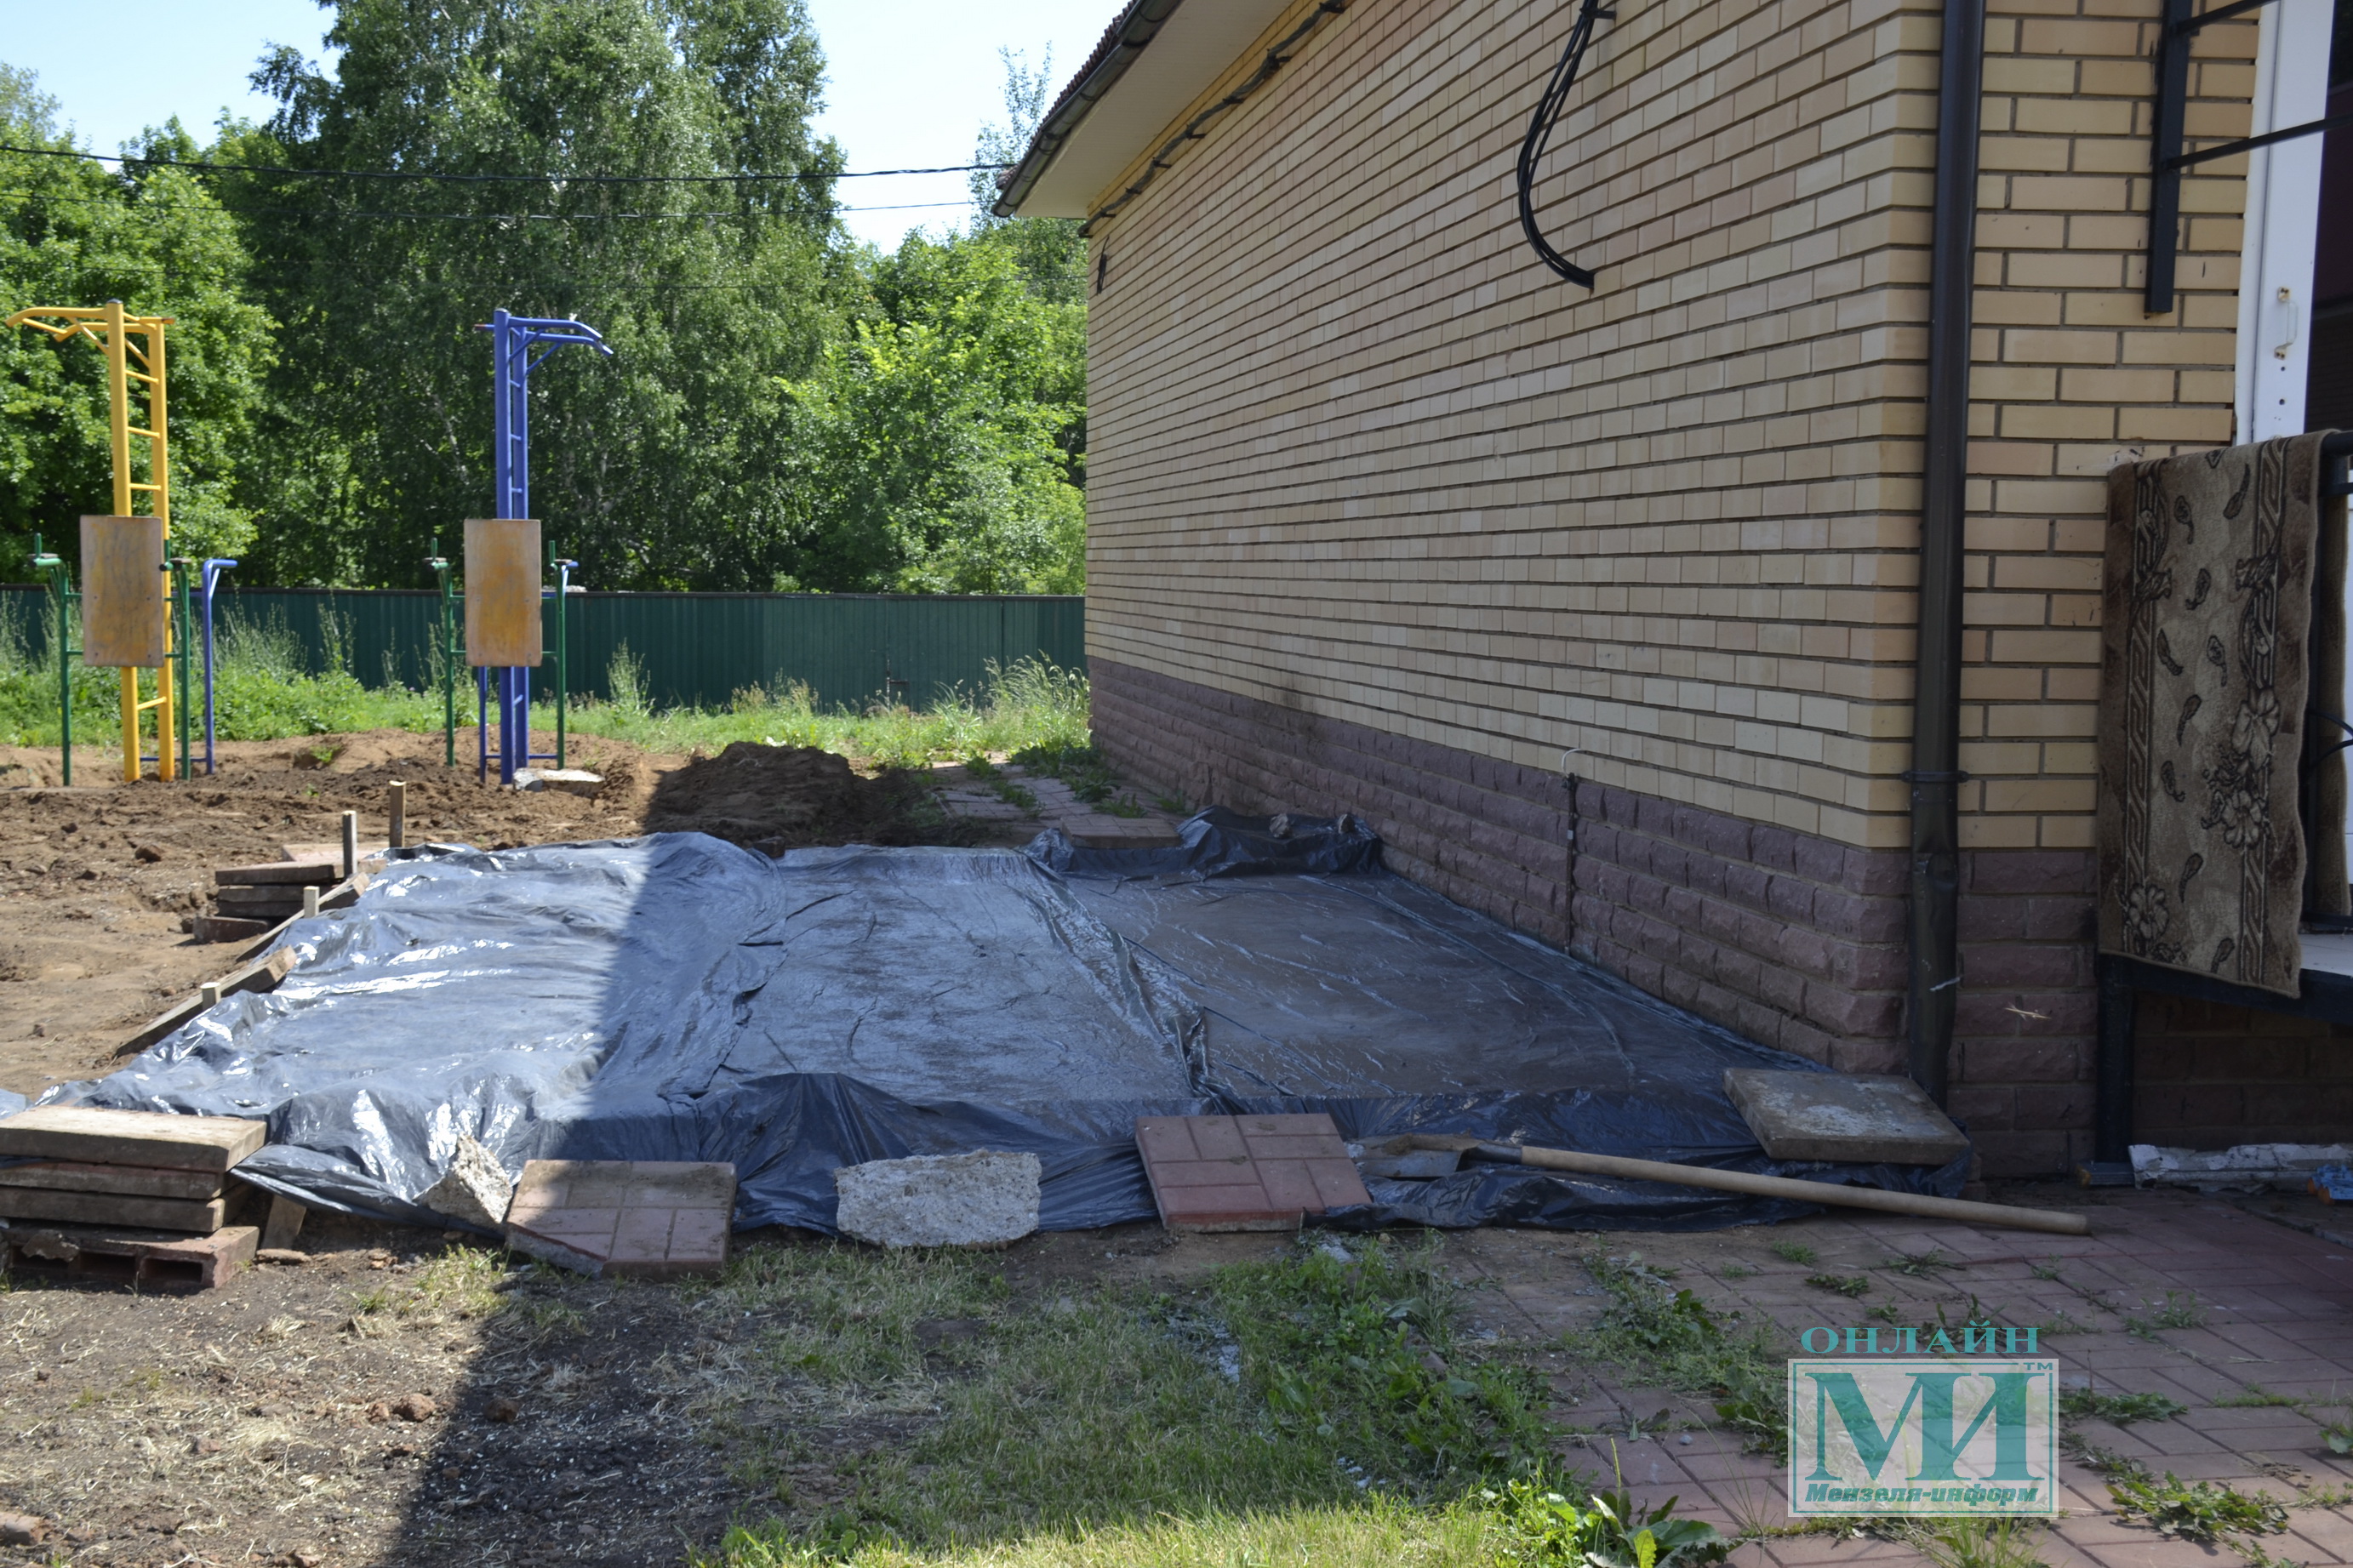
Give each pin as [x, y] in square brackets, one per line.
[2276, 1305]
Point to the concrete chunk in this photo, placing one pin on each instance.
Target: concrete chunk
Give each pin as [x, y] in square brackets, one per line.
[1862, 1119]
[474, 1189]
[981, 1199]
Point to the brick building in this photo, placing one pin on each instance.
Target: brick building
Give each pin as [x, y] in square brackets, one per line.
[1386, 516]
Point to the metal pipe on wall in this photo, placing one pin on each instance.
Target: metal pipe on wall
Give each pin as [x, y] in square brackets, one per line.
[1935, 776]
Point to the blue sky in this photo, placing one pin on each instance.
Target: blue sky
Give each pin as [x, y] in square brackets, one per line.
[909, 80]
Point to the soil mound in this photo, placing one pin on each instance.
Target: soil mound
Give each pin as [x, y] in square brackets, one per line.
[774, 798]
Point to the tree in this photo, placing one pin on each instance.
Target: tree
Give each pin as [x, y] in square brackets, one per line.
[656, 467]
[931, 445]
[155, 238]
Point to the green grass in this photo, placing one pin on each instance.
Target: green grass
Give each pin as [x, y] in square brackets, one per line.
[1793, 1252]
[1026, 705]
[1847, 1285]
[1315, 1407]
[267, 688]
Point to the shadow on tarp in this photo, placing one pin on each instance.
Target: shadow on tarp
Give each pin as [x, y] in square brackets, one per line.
[675, 997]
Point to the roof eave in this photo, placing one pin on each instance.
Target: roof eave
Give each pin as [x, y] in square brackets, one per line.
[1123, 43]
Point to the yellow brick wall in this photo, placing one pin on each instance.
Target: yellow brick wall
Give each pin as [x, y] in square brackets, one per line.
[1357, 453]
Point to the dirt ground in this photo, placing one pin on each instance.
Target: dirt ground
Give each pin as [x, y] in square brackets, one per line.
[99, 881]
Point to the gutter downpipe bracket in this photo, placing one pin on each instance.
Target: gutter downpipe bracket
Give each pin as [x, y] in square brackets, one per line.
[1934, 915]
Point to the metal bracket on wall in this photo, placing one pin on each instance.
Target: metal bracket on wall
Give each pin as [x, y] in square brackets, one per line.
[2166, 160]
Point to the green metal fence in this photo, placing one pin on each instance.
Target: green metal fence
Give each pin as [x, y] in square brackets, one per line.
[697, 650]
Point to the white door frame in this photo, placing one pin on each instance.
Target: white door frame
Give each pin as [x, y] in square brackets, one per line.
[2283, 219]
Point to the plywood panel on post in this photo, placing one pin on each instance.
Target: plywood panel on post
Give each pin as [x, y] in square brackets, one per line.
[503, 581]
[122, 592]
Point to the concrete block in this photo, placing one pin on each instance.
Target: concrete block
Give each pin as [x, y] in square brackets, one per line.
[149, 1262]
[981, 1199]
[1865, 1119]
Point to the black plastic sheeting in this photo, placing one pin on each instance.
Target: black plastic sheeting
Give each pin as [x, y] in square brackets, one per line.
[676, 997]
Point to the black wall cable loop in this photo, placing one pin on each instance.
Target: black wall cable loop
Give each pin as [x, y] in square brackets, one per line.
[1540, 129]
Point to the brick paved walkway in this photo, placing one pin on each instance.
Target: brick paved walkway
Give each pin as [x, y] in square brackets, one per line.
[2269, 1363]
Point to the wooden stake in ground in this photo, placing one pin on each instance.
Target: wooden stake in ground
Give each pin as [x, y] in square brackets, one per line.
[398, 835]
[351, 844]
[2057, 1222]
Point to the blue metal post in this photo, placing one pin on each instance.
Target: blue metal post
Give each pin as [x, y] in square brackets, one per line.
[512, 341]
[214, 566]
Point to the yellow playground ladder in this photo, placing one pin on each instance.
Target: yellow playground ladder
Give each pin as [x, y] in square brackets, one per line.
[127, 362]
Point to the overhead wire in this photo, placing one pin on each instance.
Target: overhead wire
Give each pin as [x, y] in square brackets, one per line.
[210, 167]
[473, 217]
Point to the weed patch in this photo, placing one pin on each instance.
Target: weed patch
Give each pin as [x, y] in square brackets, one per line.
[1793, 1252]
[2179, 1310]
[2199, 1511]
[1669, 1339]
[1848, 1285]
[2255, 1396]
[2117, 1409]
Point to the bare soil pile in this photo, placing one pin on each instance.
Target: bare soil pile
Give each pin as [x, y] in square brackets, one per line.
[774, 798]
[97, 881]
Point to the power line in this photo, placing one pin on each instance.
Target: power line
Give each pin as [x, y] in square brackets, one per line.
[488, 179]
[470, 217]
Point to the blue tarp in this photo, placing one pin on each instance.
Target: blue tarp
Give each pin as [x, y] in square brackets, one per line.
[676, 997]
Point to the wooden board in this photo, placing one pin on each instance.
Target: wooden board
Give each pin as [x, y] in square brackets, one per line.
[112, 1208]
[262, 973]
[284, 899]
[122, 592]
[502, 586]
[124, 1180]
[324, 872]
[95, 1137]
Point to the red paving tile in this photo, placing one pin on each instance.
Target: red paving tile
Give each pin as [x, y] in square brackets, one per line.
[1246, 1173]
[640, 1219]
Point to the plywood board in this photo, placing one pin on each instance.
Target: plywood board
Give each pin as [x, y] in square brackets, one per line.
[97, 1137]
[126, 1180]
[122, 592]
[112, 1208]
[503, 585]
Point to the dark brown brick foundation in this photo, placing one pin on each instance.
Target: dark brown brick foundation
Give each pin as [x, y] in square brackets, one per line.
[2211, 1075]
[1793, 940]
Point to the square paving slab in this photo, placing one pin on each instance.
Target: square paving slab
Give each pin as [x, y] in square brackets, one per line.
[1246, 1173]
[639, 1219]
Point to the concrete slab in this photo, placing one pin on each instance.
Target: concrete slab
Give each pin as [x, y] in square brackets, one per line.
[639, 1219]
[1246, 1173]
[981, 1199]
[1866, 1118]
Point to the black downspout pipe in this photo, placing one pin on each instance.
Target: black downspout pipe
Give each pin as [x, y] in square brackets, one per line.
[1935, 776]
